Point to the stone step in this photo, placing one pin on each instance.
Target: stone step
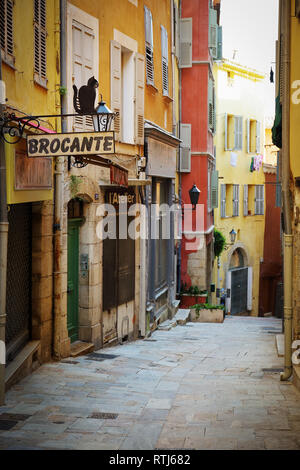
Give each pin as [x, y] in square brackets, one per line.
[167, 325]
[78, 348]
[279, 342]
[182, 316]
[23, 364]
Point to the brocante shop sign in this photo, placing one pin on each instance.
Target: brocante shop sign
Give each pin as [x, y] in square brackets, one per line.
[71, 144]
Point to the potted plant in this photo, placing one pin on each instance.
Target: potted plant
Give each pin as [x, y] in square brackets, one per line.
[191, 295]
[207, 313]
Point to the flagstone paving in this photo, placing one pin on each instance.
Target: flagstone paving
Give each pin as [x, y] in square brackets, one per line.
[196, 386]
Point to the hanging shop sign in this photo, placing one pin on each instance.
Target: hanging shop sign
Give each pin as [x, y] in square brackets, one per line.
[71, 144]
[118, 176]
[120, 196]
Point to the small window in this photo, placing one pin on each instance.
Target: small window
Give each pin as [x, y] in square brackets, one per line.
[6, 31]
[233, 132]
[149, 47]
[253, 136]
[40, 37]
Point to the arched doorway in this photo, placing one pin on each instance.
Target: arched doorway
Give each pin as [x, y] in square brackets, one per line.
[239, 275]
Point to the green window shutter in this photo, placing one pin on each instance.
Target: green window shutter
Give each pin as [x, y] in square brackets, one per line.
[220, 43]
[226, 132]
[257, 137]
[213, 33]
[210, 105]
[278, 184]
[186, 42]
[245, 199]
[214, 189]
[223, 200]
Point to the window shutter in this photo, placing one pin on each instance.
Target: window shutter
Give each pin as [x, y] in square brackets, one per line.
[257, 137]
[278, 184]
[164, 57]
[214, 111]
[259, 199]
[210, 105]
[82, 47]
[149, 46]
[176, 33]
[223, 200]
[40, 36]
[228, 289]
[262, 199]
[245, 199]
[226, 132]
[213, 33]
[6, 28]
[186, 40]
[214, 189]
[249, 288]
[238, 132]
[139, 98]
[235, 208]
[185, 148]
[248, 135]
[220, 43]
[115, 86]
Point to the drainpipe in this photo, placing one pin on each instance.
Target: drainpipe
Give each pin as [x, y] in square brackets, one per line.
[179, 182]
[285, 15]
[58, 198]
[3, 254]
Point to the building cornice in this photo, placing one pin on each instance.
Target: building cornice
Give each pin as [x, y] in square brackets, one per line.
[241, 70]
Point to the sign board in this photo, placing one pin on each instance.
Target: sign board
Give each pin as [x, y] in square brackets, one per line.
[118, 176]
[71, 144]
[120, 196]
[32, 174]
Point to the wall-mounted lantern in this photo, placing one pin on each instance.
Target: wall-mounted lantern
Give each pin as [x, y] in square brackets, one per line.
[103, 119]
[194, 193]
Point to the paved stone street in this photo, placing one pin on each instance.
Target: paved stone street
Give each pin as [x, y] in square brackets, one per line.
[197, 386]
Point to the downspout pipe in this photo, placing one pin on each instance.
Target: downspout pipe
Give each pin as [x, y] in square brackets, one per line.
[3, 255]
[58, 197]
[179, 256]
[285, 15]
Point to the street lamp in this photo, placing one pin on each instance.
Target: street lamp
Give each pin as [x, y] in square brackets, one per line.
[194, 193]
[103, 118]
[232, 236]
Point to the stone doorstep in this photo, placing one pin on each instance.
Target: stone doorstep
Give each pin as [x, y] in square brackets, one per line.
[279, 342]
[22, 363]
[78, 348]
[182, 316]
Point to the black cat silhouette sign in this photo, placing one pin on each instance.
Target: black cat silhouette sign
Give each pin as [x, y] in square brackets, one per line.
[71, 144]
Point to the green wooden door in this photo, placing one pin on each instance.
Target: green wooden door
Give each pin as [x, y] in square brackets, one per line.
[73, 277]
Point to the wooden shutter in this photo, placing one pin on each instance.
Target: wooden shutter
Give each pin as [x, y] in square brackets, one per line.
[262, 199]
[6, 29]
[238, 132]
[220, 43]
[210, 105]
[248, 135]
[259, 199]
[213, 33]
[249, 288]
[226, 131]
[278, 184]
[40, 35]
[82, 47]
[176, 28]
[115, 86]
[236, 200]
[257, 137]
[139, 98]
[164, 58]
[214, 189]
[223, 200]
[186, 42]
[185, 148]
[149, 46]
[245, 199]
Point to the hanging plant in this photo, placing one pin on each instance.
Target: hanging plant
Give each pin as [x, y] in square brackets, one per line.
[219, 243]
[75, 182]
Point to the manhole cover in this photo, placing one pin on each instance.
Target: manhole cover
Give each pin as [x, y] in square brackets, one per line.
[104, 415]
[100, 357]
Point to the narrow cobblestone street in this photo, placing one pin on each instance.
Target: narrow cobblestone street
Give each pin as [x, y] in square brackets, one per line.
[197, 386]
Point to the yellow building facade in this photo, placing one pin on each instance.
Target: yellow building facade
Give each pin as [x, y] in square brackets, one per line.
[239, 143]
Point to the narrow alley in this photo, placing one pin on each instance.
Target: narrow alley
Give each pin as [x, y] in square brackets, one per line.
[196, 386]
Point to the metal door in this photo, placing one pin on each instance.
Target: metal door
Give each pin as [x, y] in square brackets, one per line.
[18, 289]
[73, 277]
[239, 290]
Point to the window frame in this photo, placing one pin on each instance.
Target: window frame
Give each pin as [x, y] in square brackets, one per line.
[7, 55]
